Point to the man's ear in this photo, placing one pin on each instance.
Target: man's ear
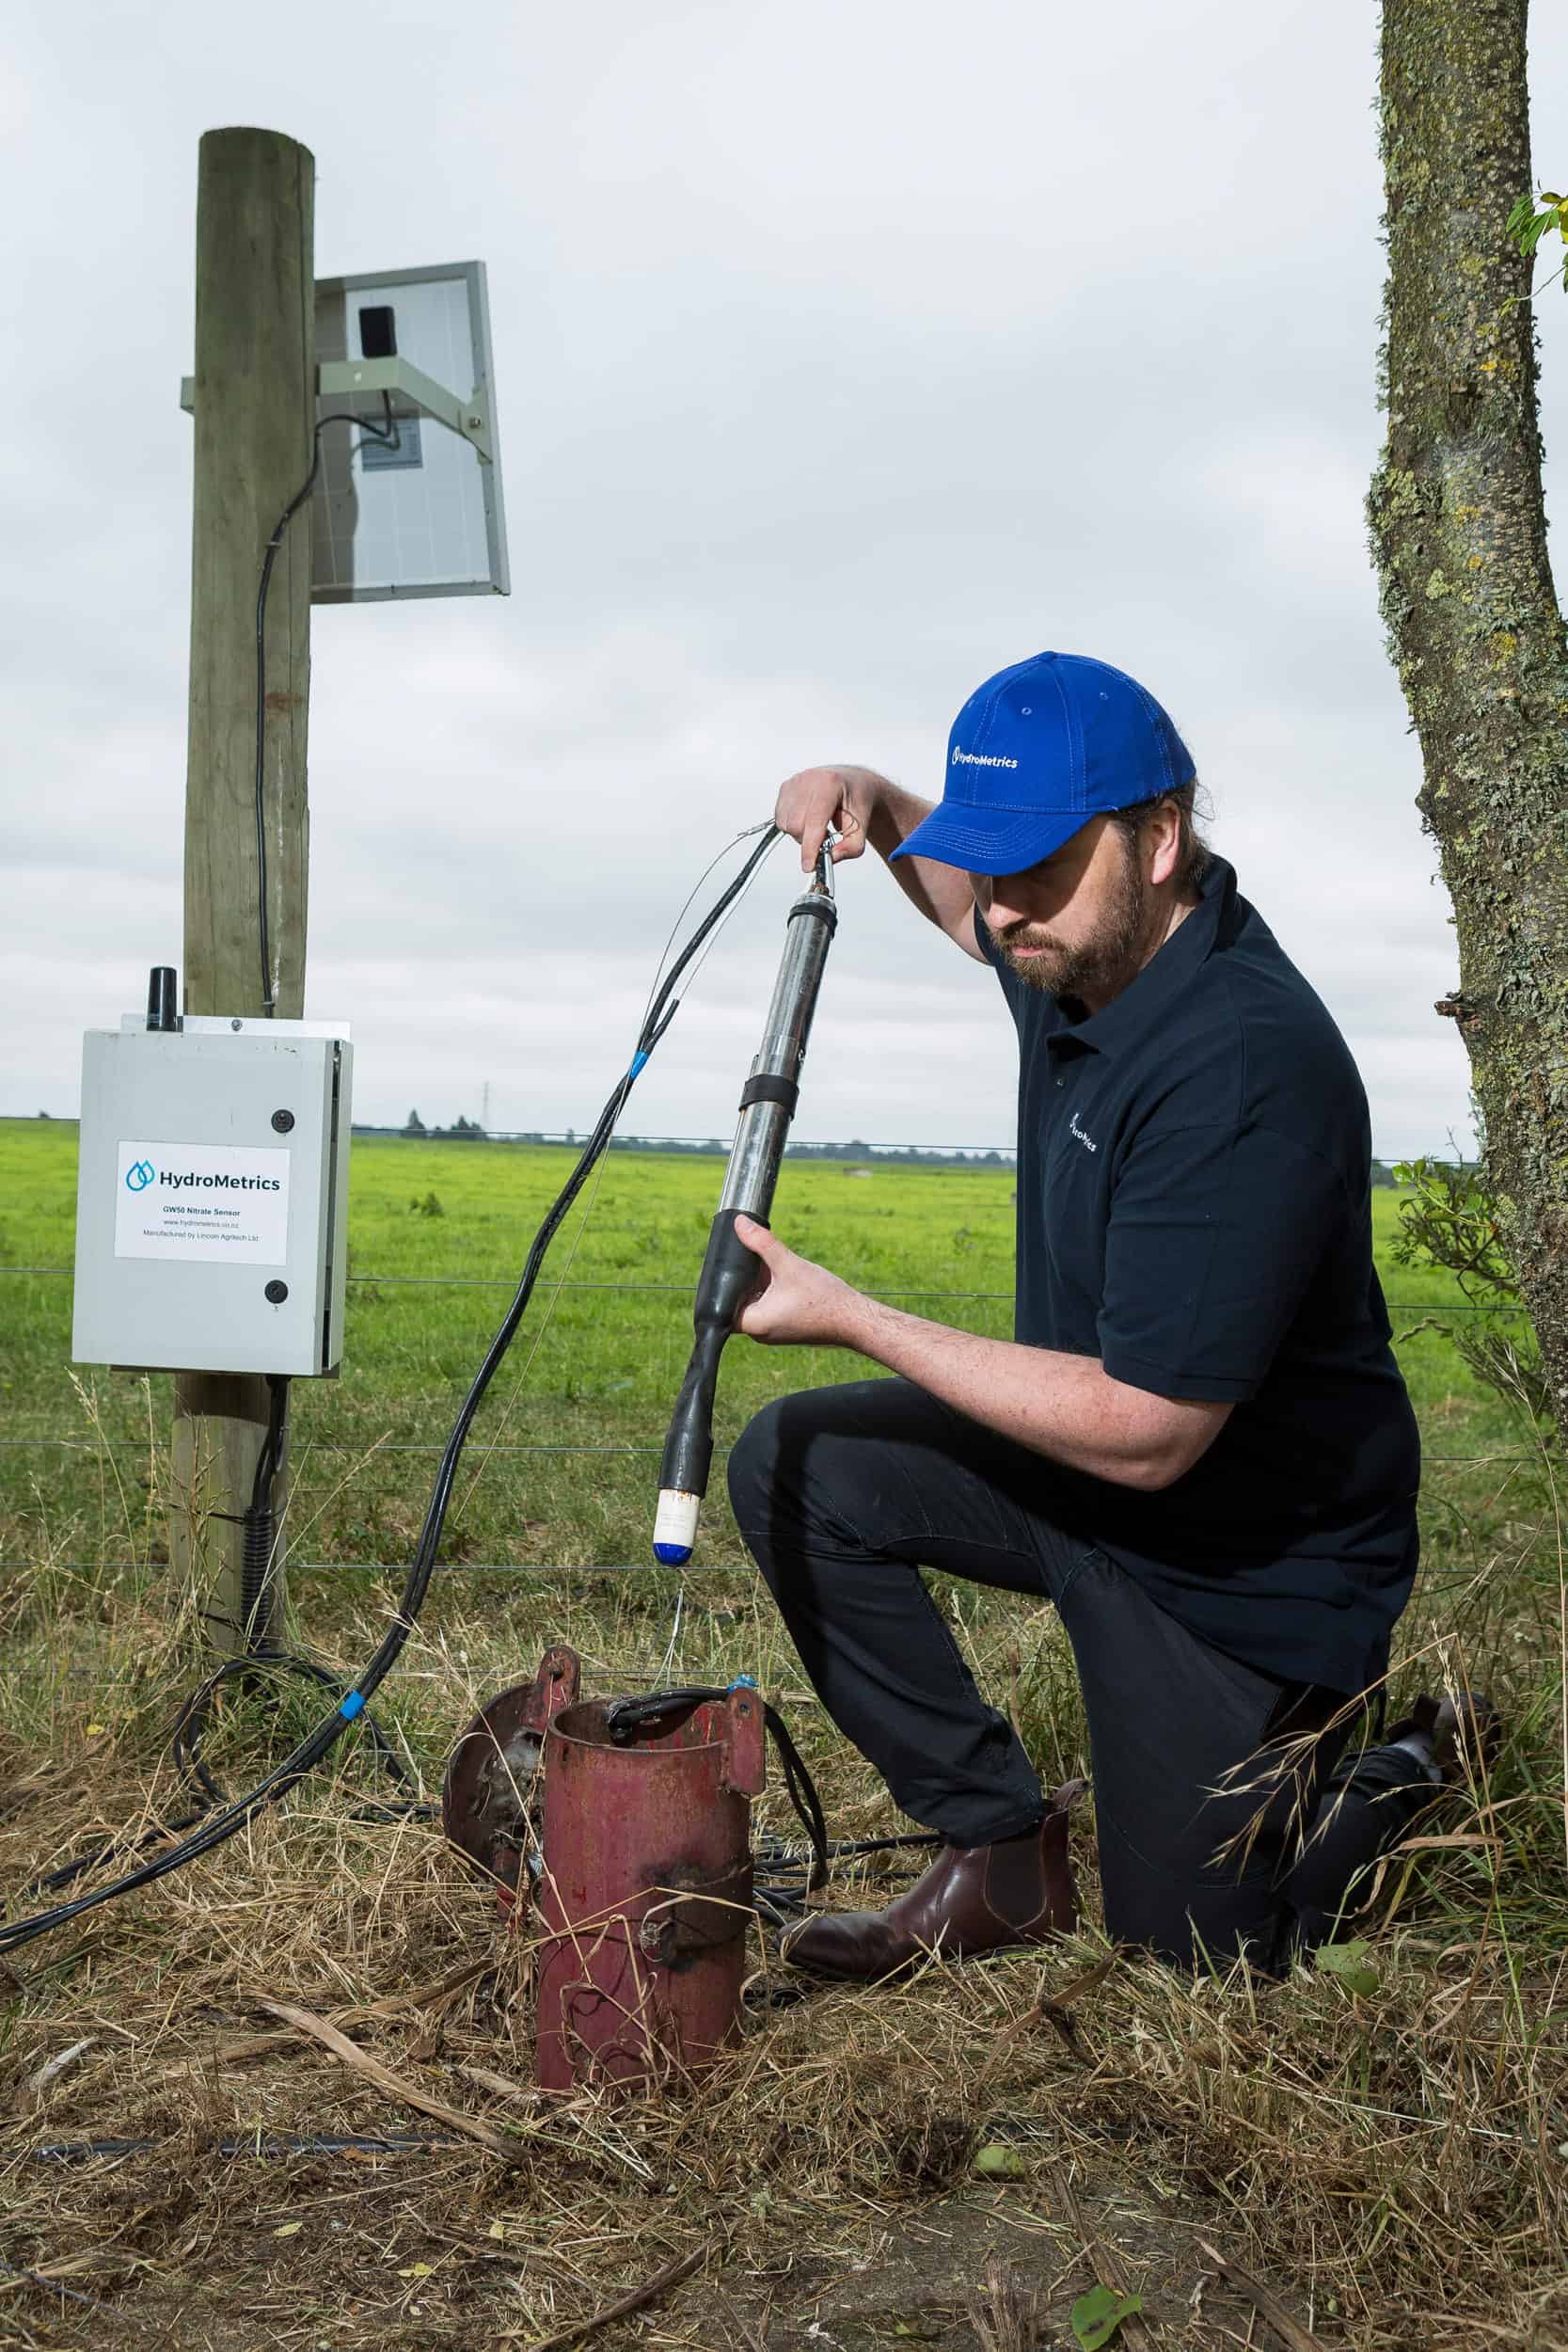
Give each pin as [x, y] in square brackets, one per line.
[1165, 841]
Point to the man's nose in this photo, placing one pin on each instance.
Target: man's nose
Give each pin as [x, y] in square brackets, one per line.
[1004, 904]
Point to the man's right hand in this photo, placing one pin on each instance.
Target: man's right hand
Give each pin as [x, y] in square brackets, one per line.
[868, 810]
[819, 797]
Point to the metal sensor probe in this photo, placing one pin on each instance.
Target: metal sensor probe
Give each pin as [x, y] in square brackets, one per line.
[767, 1107]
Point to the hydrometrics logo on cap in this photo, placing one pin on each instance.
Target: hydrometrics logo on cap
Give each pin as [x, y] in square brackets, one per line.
[980, 759]
[139, 1175]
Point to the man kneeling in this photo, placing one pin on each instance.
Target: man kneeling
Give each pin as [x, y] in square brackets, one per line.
[1198, 1444]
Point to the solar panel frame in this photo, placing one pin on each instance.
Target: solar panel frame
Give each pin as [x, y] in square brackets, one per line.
[437, 529]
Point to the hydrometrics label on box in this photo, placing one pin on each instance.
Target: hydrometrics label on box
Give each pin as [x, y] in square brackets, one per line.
[203, 1202]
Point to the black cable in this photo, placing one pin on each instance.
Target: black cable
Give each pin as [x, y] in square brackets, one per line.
[189, 1729]
[783, 1881]
[52, 1882]
[258, 1584]
[222, 1824]
[390, 435]
[848, 1849]
[262, 1655]
[260, 1660]
[802, 1795]
[624, 1717]
[190, 1726]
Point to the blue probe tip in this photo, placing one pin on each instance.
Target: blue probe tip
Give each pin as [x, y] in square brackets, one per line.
[672, 1555]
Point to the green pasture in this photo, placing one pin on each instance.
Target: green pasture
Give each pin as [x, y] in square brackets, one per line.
[563, 1458]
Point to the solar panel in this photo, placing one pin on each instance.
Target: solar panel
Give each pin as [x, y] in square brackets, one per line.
[404, 505]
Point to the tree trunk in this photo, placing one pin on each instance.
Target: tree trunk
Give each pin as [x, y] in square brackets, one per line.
[1459, 532]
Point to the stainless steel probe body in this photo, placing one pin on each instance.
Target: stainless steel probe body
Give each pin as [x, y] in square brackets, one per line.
[767, 1107]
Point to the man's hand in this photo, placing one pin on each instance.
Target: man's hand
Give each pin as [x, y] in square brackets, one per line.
[819, 797]
[869, 811]
[794, 1303]
[1065, 1406]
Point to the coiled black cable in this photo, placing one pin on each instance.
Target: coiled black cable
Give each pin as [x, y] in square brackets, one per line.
[783, 1880]
[259, 1523]
[263, 1662]
[259, 1663]
[216, 1827]
[624, 1717]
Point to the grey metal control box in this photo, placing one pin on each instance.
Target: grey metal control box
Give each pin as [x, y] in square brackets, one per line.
[212, 1205]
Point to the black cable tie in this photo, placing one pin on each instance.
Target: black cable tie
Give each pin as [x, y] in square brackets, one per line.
[764, 1088]
[822, 910]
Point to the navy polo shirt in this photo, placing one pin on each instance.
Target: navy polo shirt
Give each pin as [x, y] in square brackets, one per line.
[1195, 1209]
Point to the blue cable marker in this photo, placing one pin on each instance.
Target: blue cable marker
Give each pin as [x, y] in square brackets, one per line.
[639, 1063]
[354, 1705]
[744, 1682]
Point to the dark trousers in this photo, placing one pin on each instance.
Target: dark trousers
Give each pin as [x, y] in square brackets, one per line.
[1232, 1811]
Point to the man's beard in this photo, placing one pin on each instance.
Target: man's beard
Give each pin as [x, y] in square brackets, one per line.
[1097, 967]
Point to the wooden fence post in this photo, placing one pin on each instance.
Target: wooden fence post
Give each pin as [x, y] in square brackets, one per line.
[255, 418]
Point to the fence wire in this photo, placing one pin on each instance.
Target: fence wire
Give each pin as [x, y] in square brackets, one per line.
[398, 1568]
[372, 1451]
[454, 1282]
[684, 1290]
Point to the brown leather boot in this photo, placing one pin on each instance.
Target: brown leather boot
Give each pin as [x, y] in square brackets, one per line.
[972, 1898]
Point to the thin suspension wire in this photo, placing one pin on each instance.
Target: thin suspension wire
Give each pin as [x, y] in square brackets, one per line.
[667, 1664]
[749, 833]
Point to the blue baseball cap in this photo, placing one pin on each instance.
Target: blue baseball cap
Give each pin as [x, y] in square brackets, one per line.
[1037, 751]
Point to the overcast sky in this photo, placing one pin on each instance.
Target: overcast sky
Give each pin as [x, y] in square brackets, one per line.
[844, 353]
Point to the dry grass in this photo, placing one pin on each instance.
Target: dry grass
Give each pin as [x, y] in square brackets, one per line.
[1381, 2172]
[1395, 2168]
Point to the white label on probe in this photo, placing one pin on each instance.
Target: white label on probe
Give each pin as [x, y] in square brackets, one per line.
[675, 1521]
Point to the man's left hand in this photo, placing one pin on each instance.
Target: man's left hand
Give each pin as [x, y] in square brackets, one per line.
[794, 1303]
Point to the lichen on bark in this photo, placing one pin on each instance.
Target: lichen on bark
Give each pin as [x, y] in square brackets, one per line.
[1458, 533]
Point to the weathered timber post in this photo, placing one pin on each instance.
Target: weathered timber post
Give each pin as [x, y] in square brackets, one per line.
[255, 418]
[1459, 532]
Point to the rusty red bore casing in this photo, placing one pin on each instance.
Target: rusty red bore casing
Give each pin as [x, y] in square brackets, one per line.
[646, 1893]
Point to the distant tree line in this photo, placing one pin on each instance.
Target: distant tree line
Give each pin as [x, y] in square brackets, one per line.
[462, 1130]
[706, 1146]
[703, 1147]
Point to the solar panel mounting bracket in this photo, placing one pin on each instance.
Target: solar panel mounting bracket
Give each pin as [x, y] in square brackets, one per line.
[407, 387]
